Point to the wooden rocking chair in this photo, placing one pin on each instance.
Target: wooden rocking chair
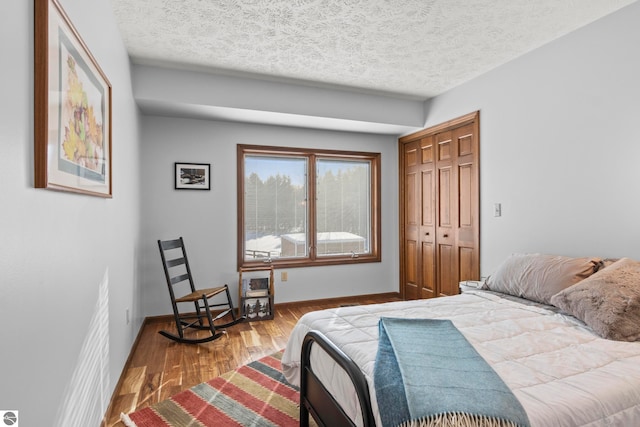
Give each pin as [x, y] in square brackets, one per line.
[177, 271]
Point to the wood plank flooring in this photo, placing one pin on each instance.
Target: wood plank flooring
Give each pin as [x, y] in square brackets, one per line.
[159, 368]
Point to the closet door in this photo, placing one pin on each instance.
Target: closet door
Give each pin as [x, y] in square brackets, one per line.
[439, 202]
[410, 221]
[447, 212]
[419, 219]
[458, 206]
[467, 232]
[428, 286]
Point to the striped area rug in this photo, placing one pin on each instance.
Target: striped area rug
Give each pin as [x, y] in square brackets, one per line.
[253, 395]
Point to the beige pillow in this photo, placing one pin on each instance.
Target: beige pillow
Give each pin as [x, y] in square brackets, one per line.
[608, 301]
[538, 277]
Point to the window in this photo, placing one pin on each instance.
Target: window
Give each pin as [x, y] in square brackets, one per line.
[300, 207]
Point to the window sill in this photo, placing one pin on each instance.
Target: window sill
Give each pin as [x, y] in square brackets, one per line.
[324, 261]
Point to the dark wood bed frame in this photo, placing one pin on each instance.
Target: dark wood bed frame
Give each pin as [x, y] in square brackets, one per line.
[317, 401]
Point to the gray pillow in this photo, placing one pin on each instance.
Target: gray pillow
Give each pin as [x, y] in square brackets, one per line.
[608, 302]
[537, 277]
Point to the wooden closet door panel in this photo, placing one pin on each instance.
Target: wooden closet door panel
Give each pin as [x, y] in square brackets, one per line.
[428, 208]
[447, 208]
[412, 221]
[412, 237]
[428, 285]
[411, 188]
[466, 229]
[445, 183]
[411, 270]
[428, 219]
[427, 235]
[448, 285]
[468, 262]
[465, 196]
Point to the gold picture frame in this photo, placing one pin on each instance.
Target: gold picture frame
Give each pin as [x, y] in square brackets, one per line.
[72, 109]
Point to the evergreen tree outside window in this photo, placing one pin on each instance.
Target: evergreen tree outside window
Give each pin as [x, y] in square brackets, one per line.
[343, 225]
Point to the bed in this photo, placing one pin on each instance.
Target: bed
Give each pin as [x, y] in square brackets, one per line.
[562, 333]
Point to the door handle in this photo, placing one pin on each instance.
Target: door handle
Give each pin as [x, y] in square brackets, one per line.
[445, 235]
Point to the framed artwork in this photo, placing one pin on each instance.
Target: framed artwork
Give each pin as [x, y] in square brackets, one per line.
[72, 110]
[255, 287]
[193, 176]
[257, 308]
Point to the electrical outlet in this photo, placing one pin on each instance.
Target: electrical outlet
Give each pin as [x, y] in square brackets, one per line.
[284, 276]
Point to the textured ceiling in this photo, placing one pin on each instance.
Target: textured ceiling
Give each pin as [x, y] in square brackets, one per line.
[415, 48]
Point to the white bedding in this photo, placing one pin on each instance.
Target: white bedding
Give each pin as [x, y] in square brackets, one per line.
[562, 373]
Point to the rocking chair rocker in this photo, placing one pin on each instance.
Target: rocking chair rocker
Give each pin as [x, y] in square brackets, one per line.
[177, 271]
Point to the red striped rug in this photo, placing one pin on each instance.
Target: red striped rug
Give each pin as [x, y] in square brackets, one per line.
[253, 395]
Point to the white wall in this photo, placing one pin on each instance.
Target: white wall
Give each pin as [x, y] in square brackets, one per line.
[560, 144]
[207, 219]
[68, 261]
[179, 93]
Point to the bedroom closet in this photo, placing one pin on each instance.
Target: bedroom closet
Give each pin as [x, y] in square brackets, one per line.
[439, 208]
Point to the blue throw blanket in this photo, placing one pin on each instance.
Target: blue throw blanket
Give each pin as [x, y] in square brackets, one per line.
[426, 368]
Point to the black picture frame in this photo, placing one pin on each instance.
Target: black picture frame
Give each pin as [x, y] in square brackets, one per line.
[192, 176]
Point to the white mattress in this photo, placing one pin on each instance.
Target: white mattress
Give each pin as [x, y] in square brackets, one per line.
[562, 373]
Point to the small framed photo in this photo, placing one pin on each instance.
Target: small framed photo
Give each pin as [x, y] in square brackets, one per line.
[193, 176]
[255, 287]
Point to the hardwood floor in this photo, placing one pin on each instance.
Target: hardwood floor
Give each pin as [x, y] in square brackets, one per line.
[159, 368]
